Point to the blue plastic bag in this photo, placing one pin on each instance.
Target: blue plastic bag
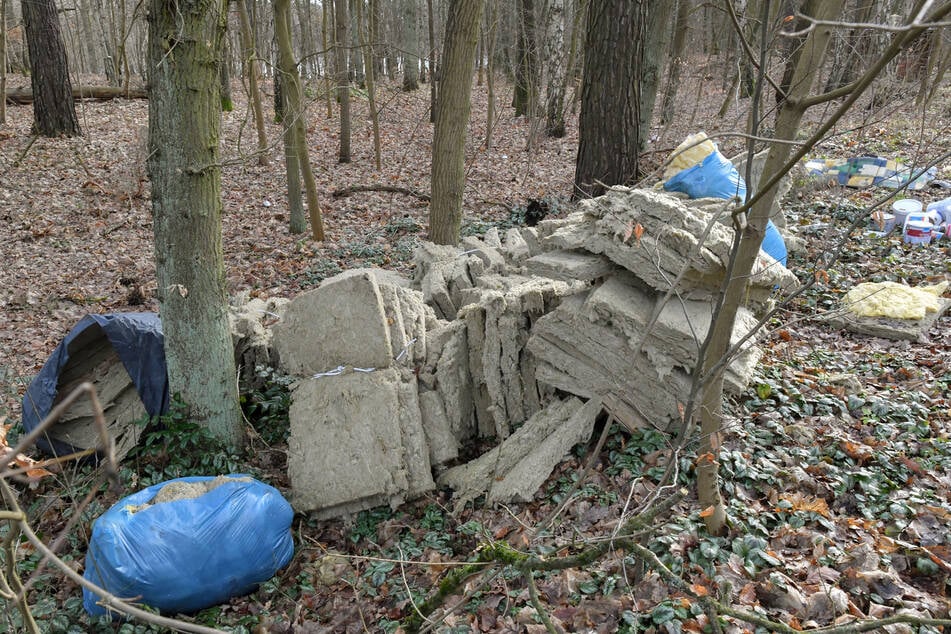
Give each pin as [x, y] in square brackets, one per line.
[184, 555]
[717, 177]
[714, 177]
[774, 244]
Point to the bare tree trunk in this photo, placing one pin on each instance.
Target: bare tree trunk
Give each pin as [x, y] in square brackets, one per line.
[184, 129]
[620, 83]
[452, 119]
[224, 77]
[249, 56]
[54, 112]
[355, 51]
[343, 77]
[324, 26]
[3, 62]
[294, 121]
[433, 73]
[676, 61]
[371, 89]
[480, 55]
[555, 68]
[376, 10]
[88, 37]
[409, 10]
[572, 66]
[292, 164]
[718, 342]
[525, 98]
[493, 21]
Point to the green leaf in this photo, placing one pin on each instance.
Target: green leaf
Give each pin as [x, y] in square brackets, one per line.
[709, 550]
[662, 613]
[588, 587]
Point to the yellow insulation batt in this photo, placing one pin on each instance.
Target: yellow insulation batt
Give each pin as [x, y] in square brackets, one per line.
[894, 300]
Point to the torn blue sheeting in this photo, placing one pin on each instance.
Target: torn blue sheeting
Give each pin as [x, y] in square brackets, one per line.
[137, 340]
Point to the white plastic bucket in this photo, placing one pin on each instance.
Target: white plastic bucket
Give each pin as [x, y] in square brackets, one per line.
[888, 222]
[904, 208]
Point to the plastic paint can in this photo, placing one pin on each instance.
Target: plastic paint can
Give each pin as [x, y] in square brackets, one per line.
[904, 208]
[884, 223]
[918, 232]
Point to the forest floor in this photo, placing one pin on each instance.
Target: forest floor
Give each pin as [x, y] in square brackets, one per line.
[837, 464]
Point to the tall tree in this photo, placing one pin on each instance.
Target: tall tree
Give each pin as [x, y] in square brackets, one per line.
[54, 112]
[3, 61]
[555, 68]
[295, 139]
[675, 60]
[433, 74]
[185, 43]
[371, 87]
[617, 94]
[778, 161]
[452, 119]
[343, 76]
[492, 20]
[252, 73]
[409, 10]
[525, 96]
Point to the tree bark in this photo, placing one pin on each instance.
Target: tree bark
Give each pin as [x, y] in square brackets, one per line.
[224, 78]
[3, 62]
[371, 87]
[54, 112]
[324, 26]
[410, 44]
[555, 68]
[252, 73]
[452, 119]
[184, 167]
[433, 74]
[294, 122]
[343, 77]
[618, 91]
[353, 46]
[675, 61]
[525, 97]
[493, 20]
[376, 12]
[286, 66]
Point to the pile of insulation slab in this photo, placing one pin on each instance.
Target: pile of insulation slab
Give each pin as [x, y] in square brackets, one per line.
[523, 339]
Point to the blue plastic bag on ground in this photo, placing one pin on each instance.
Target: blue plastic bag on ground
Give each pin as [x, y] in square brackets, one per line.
[186, 554]
[714, 177]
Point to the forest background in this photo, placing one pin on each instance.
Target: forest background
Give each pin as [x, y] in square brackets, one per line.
[77, 239]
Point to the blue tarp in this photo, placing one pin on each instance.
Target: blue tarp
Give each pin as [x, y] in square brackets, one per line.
[138, 341]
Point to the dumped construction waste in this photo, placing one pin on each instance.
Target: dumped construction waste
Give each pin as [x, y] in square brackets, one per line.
[519, 341]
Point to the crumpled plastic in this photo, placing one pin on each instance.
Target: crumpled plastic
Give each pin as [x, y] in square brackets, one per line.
[868, 171]
[894, 300]
[183, 555]
[713, 177]
[698, 169]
